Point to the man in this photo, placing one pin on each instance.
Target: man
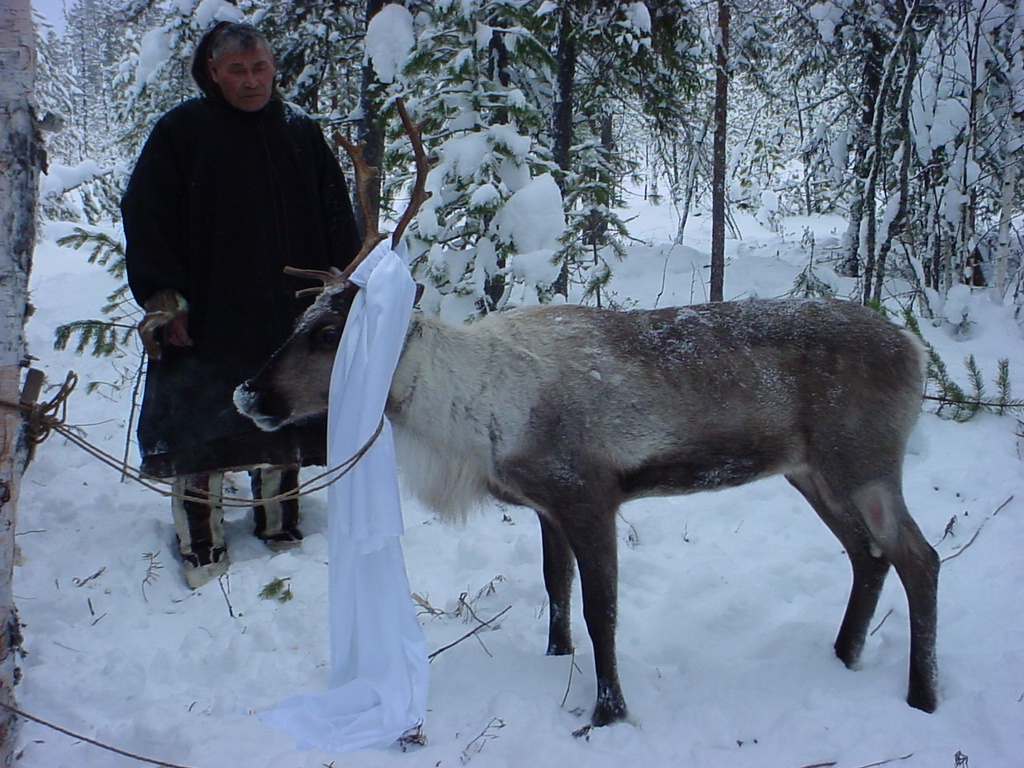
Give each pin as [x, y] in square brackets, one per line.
[230, 188]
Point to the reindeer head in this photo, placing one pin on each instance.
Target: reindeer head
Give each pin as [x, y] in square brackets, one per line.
[295, 382]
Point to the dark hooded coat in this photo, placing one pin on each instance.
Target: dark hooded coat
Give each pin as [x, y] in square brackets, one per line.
[220, 201]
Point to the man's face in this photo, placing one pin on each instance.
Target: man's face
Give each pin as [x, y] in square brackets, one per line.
[246, 78]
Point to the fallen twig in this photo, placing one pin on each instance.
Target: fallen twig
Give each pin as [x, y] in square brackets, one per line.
[82, 582]
[224, 591]
[568, 684]
[469, 634]
[485, 735]
[425, 605]
[830, 763]
[977, 532]
[153, 569]
[880, 623]
[890, 760]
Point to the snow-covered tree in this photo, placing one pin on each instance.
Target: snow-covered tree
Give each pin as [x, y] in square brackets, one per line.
[480, 78]
[94, 43]
[318, 52]
[56, 90]
[616, 62]
[965, 135]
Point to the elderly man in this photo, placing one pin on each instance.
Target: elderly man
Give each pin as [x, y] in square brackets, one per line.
[230, 188]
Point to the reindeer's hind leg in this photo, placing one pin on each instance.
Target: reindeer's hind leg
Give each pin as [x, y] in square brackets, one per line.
[559, 571]
[869, 569]
[884, 511]
[873, 516]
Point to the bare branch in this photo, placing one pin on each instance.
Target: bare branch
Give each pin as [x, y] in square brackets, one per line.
[468, 635]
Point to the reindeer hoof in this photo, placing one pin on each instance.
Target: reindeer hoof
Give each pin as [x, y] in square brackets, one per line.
[926, 700]
[610, 709]
[559, 649]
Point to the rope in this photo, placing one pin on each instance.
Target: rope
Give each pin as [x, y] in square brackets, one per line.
[44, 419]
[87, 740]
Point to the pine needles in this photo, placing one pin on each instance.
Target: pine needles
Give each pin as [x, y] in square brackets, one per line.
[278, 589]
[101, 338]
[962, 402]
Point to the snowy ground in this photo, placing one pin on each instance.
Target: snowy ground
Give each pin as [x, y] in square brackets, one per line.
[729, 601]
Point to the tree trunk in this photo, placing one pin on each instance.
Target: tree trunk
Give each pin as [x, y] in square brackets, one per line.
[370, 131]
[498, 71]
[562, 128]
[896, 223]
[562, 123]
[1001, 258]
[22, 156]
[865, 151]
[718, 163]
[690, 185]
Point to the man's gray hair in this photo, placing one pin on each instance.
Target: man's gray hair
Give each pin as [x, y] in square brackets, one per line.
[238, 37]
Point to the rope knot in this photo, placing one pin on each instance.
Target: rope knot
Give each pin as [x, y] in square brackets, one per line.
[42, 418]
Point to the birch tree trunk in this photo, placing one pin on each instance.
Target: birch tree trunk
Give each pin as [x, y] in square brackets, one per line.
[21, 156]
[1002, 254]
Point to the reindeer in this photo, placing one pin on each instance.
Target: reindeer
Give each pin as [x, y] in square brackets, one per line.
[573, 410]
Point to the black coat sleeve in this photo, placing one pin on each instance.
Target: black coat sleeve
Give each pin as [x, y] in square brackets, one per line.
[152, 211]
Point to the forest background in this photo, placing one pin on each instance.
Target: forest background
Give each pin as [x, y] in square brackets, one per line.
[898, 123]
[903, 117]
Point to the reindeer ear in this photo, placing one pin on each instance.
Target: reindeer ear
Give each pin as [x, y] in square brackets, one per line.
[419, 294]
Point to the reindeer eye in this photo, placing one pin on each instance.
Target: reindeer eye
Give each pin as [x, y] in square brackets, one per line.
[328, 336]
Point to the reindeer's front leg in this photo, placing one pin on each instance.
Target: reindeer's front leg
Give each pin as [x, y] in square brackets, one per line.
[559, 571]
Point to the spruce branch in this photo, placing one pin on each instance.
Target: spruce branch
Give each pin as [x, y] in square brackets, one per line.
[954, 398]
[277, 589]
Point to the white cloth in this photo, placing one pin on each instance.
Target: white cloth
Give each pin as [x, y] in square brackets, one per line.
[378, 653]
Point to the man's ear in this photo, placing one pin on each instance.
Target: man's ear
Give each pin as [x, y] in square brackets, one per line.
[212, 70]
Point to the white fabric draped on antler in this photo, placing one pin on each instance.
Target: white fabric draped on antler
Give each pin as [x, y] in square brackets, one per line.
[378, 653]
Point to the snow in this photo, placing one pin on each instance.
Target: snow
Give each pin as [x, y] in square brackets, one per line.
[729, 601]
[153, 52]
[532, 218]
[827, 16]
[639, 17]
[389, 39]
[948, 122]
[209, 11]
[546, 7]
[59, 179]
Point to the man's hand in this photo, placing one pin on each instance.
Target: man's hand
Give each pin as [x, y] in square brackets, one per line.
[165, 309]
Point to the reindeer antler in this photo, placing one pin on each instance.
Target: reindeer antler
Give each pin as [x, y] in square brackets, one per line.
[365, 175]
[326, 277]
[423, 163]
